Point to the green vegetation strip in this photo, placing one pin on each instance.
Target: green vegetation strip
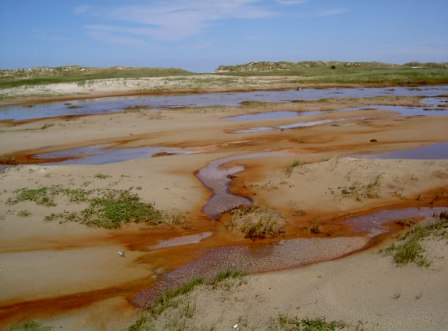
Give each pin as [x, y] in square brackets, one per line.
[257, 222]
[30, 326]
[172, 298]
[307, 324]
[346, 72]
[409, 248]
[106, 208]
[81, 75]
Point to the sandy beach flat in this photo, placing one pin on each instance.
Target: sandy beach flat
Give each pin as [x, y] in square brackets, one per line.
[70, 275]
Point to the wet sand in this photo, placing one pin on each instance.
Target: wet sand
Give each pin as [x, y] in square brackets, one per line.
[81, 279]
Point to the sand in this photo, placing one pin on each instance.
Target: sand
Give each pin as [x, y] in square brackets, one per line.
[366, 288]
[69, 275]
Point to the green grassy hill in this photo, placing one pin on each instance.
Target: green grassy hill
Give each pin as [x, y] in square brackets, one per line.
[48, 75]
[345, 72]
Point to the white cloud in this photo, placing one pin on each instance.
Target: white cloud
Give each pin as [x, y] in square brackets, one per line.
[107, 36]
[290, 2]
[81, 9]
[171, 20]
[330, 12]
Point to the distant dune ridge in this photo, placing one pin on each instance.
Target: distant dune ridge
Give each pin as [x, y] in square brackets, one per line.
[263, 66]
[22, 85]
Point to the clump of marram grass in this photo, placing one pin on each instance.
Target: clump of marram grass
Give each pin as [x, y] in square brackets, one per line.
[106, 208]
[30, 326]
[181, 308]
[23, 213]
[409, 248]
[168, 298]
[290, 168]
[360, 191]
[101, 176]
[284, 322]
[228, 278]
[257, 222]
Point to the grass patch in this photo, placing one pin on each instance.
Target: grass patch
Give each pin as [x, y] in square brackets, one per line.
[409, 249]
[257, 222]
[168, 298]
[30, 326]
[78, 74]
[101, 176]
[284, 322]
[23, 213]
[106, 208]
[227, 274]
[43, 196]
[112, 209]
[361, 191]
[46, 126]
[142, 324]
[184, 309]
[290, 168]
[345, 72]
[136, 108]
[227, 278]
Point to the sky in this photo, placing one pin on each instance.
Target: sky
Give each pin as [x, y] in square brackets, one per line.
[199, 35]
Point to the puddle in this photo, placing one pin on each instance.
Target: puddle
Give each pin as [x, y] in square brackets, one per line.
[218, 179]
[181, 241]
[437, 151]
[402, 110]
[375, 224]
[100, 154]
[3, 168]
[297, 125]
[282, 255]
[436, 101]
[271, 115]
[118, 104]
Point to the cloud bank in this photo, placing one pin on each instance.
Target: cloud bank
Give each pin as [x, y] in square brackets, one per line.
[170, 20]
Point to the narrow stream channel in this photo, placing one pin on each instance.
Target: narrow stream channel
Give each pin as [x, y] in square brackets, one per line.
[218, 178]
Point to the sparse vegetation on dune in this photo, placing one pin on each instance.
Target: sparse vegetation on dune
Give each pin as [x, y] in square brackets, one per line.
[179, 306]
[30, 326]
[306, 72]
[257, 222]
[290, 168]
[284, 322]
[66, 74]
[409, 247]
[345, 72]
[106, 208]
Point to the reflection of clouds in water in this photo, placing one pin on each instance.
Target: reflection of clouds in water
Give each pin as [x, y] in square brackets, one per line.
[98, 154]
[117, 104]
[437, 151]
[402, 110]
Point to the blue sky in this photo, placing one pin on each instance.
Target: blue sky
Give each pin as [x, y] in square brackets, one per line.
[199, 35]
